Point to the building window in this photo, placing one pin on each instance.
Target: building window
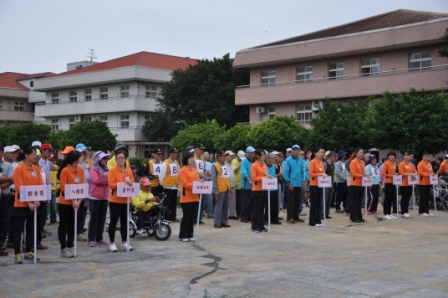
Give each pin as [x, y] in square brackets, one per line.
[125, 91]
[87, 118]
[73, 96]
[88, 94]
[151, 91]
[72, 122]
[103, 93]
[55, 124]
[31, 84]
[268, 78]
[146, 117]
[124, 119]
[370, 67]
[103, 118]
[304, 74]
[303, 113]
[19, 106]
[147, 150]
[336, 70]
[271, 112]
[55, 98]
[419, 61]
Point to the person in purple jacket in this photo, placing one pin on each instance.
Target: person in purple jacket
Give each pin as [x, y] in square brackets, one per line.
[99, 192]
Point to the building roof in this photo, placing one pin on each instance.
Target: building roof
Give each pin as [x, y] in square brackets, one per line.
[386, 20]
[145, 59]
[9, 80]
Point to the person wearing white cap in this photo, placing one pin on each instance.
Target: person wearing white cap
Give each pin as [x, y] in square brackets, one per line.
[232, 197]
[238, 190]
[246, 183]
[36, 144]
[293, 174]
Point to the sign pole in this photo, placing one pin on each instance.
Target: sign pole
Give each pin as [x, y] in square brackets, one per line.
[197, 222]
[365, 208]
[269, 210]
[434, 195]
[324, 211]
[35, 235]
[76, 227]
[413, 199]
[397, 202]
[127, 224]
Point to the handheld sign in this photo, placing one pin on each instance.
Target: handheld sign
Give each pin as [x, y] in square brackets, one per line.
[412, 180]
[32, 193]
[76, 191]
[324, 182]
[202, 187]
[433, 180]
[367, 181]
[269, 183]
[173, 170]
[157, 168]
[199, 166]
[125, 191]
[397, 180]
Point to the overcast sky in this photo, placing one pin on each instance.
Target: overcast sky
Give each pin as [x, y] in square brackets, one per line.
[45, 35]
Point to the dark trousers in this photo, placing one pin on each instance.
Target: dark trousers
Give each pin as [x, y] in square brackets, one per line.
[66, 229]
[247, 205]
[260, 198]
[273, 207]
[156, 190]
[355, 208]
[348, 200]
[53, 209]
[373, 195]
[82, 213]
[293, 201]
[390, 198]
[98, 211]
[189, 217]
[19, 225]
[170, 202]
[406, 192]
[424, 198]
[6, 210]
[316, 195]
[239, 200]
[333, 196]
[328, 192]
[41, 219]
[118, 210]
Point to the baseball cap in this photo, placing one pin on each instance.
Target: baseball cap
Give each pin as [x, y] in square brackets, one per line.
[288, 150]
[342, 153]
[100, 155]
[220, 153]
[157, 151]
[46, 146]
[199, 145]
[67, 149]
[10, 149]
[241, 154]
[81, 147]
[275, 152]
[173, 150]
[52, 157]
[36, 143]
[16, 147]
[333, 153]
[295, 146]
[145, 181]
[250, 149]
[327, 153]
[121, 145]
[229, 152]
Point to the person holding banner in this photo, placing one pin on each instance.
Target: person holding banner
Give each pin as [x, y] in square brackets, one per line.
[316, 193]
[373, 171]
[169, 175]
[188, 200]
[407, 170]
[258, 171]
[424, 171]
[69, 173]
[388, 171]
[222, 187]
[25, 174]
[357, 171]
[118, 205]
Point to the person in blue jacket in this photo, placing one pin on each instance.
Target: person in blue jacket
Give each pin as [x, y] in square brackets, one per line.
[246, 185]
[293, 174]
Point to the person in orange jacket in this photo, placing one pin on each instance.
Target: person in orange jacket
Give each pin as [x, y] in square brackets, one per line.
[357, 171]
[258, 171]
[388, 171]
[425, 170]
[406, 169]
[316, 168]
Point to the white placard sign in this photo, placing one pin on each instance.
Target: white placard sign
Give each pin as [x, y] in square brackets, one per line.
[157, 167]
[199, 166]
[412, 180]
[33, 193]
[324, 182]
[269, 183]
[397, 180]
[202, 187]
[125, 190]
[433, 180]
[173, 170]
[367, 181]
[76, 191]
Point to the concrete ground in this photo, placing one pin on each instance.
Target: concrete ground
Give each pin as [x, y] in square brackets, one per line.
[395, 258]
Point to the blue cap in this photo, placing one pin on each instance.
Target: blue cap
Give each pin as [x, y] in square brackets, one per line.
[288, 150]
[81, 147]
[250, 149]
[342, 153]
[295, 147]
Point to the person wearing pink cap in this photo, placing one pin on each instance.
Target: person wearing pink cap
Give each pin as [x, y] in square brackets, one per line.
[143, 203]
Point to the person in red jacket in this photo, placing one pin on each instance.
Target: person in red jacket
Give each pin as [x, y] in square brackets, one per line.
[425, 170]
[357, 171]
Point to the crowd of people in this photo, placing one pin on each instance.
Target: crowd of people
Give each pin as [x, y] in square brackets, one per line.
[237, 192]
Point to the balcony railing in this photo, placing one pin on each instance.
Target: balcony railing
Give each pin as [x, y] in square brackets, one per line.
[351, 76]
[81, 99]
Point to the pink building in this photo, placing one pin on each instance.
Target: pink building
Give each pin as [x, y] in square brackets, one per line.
[394, 51]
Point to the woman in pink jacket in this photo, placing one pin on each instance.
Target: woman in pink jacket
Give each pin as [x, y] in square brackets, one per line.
[99, 192]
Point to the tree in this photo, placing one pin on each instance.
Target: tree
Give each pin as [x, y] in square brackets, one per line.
[95, 134]
[339, 126]
[234, 138]
[57, 139]
[198, 133]
[161, 127]
[277, 133]
[23, 134]
[444, 52]
[205, 91]
[413, 120]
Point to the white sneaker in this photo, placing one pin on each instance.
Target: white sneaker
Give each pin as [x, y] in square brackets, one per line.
[184, 240]
[126, 246]
[406, 215]
[387, 217]
[141, 231]
[318, 225]
[392, 217]
[430, 214]
[113, 247]
[424, 214]
[65, 253]
[81, 237]
[191, 239]
[72, 250]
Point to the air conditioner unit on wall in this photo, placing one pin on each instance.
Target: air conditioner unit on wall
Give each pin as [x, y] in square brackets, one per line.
[316, 105]
[260, 110]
